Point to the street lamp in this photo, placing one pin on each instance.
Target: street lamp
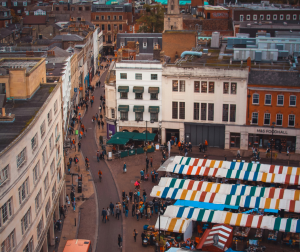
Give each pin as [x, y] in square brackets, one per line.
[273, 123]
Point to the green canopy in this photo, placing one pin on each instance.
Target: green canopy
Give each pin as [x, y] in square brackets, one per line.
[123, 108]
[138, 89]
[154, 109]
[124, 134]
[118, 141]
[123, 89]
[138, 108]
[142, 136]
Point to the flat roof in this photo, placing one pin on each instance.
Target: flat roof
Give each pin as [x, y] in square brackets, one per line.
[24, 111]
[210, 7]
[19, 63]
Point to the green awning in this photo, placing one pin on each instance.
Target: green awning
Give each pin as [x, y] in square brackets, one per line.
[123, 89]
[142, 136]
[118, 141]
[153, 90]
[123, 108]
[154, 109]
[137, 89]
[138, 108]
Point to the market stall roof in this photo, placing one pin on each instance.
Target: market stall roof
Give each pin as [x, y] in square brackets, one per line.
[231, 189]
[164, 166]
[118, 141]
[219, 198]
[142, 136]
[124, 134]
[177, 225]
[240, 166]
[234, 219]
[203, 205]
[122, 138]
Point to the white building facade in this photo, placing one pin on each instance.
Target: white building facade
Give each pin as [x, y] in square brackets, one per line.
[200, 102]
[32, 181]
[138, 95]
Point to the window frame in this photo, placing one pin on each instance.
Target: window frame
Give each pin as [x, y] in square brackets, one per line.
[123, 76]
[224, 87]
[38, 201]
[210, 112]
[278, 100]
[139, 76]
[277, 115]
[203, 110]
[211, 90]
[36, 172]
[225, 112]
[49, 117]
[288, 17]
[233, 90]
[182, 110]
[40, 227]
[195, 84]
[268, 17]
[9, 243]
[294, 16]
[253, 117]
[281, 17]
[265, 118]
[6, 211]
[123, 116]
[232, 113]
[153, 96]
[153, 76]
[241, 18]
[138, 96]
[289, 120]
[196, 110]
[255, 103]
[203, 87]
[174, 110]
[248, 17]
[43, 128]
[274, 16]
[254, 17]
[262, 17]
[4, 175]
[139, 116]
[268, 104]
[122, 95]
[175, 88]
[290, 101]
[21, 158]
[34, 142]
[26, 217]
[182, 86]
[154, 117]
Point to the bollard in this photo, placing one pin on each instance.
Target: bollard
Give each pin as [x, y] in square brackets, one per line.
[75, 221]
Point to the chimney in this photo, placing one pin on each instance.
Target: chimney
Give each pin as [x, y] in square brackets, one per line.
[156, 53]
[119, 55]
[3, 112]
[137, 48]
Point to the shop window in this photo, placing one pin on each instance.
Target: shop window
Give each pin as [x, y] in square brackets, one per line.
[203, 111]
[279, 100]
[174, 110]
[181, 110]
[254, 17]
[210, 112]
[196, 86]
[204, 87]
[232, 112]
[211, 87]
[226, 88]
[293, 100]
[267, 118]
[235, 139]
[279, 119]
[182, 86]
[196, 111]
[255, 99]
[274, 17]
[254, 118]
[225, 113]
[233, 88]
[124, 116]
[268, 99]
[175, 85]
[291, 120]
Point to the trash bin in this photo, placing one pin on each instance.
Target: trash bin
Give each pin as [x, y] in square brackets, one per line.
[79, 186]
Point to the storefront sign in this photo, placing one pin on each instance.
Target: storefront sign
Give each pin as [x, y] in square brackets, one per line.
[269, 131]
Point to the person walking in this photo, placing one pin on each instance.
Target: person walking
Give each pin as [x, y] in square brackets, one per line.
[74, 205]
[73, 143]
[135, 233]
[205, 145]
[98, 156]
[111, 206]
[62, 211]
[144, 195]
[79, 146]
[190, 147]
[98, 123]
[130, 195]
[151, 161]
[124, 167]
[138, 194]
[104, 213]
[147, 164]
[70, 160]
[142, 174]
[107, 213]
[137, 212]
[153, 176]
[102, 124]
[120, 241]
[133, 210]
[117, 211]
[126, 210]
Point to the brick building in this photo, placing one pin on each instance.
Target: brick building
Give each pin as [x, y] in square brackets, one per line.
[5, 17]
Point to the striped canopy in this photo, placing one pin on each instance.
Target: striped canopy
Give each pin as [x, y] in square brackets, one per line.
[234, 174]
[218, 198]
[223, 232]
[234, 219]
[241, 166]
[177, 225]
[229, 189]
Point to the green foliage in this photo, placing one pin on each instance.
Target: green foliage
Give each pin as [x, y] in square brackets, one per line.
[153, 20]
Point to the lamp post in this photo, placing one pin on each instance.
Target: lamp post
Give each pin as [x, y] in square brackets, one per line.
[151, 121]
[273, 123]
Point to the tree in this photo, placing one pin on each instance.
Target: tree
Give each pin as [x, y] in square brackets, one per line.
[153, 19]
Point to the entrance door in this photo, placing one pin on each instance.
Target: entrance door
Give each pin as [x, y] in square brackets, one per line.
[235, 139]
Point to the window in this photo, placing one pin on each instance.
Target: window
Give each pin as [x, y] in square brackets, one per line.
[120, 17]
[153, 76]
[255, 99]
[139, 116]
[288, 17]
[38, 201]
[24, 3]
[267, 119]
[53, 191]
[19, 11]
[97, 18]
[241, 17]
[112, 113]
[40, 227]
[52, 167]
[56, 131]
[154, 117]
[25, 221]
[248, 17]
[34, 142]
[130, 29]
[108, 28]
[279, 119]
[36, 172]
[21, 158]
[268, 16]
[123, 76]
[203, 111]
[138, 76]
[124, 116]
[47, 208]
[29, 246]
[115, 17]
[16, 4]
[49, 116]
[153, 96]
[5, 14]
[292, 100]
[108, 17]
[57, 152]
[4, 175]
[226, 88]
[261, 17]
[3, 3]
[138, 96]
[43, 128]
[203, 86]
[44, 157]
[196, 86]
[254, 17]
[294, 17]
[181, 110]
[232, 112]
[182, 86]
[23, 191]
[211, 87]
[279, 100]
[103, 28]
[210, 112]
[174, 110]
[9, 243]
[59, 175]
[6, 211]
[120, 27]
[196, 111]
[291, 120]
[102, 17]
[175, 85]
[55, 106]
[46, 183]
[268, 99]
[274, 17]
[51, 145]
[281, 16]
[254, 118]
[123, 95]
[233, 88]
[225, 113]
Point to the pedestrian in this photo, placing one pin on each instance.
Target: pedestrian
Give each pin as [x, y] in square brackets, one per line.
[102, 124]
[123, 195]
[79, 146]
[123, 205]
[73, 143]
[120, 241]
[98, 123]
[148, 213]
[72, 195]
[130, 195]
[144, 195]
[156, 175]
[225, 158]
[185, 151]
[124, 167]
[200, 147]
[137, 214]
[104, 215]
[126, 210]
[117, 211]
[107, 213]
[87, 106]
[62, 211]
[69, 167]
[98, 155]
[142, 174]
[74, 205]
[205, 145]
[151, 161]
[70, 160]
[147, 164]
[190, 147]
[111, 206]
[138, 195]
[133, 209]
[135, 233]
[152, 176]
[175, 140]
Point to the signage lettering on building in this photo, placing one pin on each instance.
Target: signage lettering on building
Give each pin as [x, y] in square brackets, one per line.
[269, 131]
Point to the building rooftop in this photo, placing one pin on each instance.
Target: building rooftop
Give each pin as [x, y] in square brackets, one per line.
[24, 112]
[4, 32]
[69, 37]
[265, 6]
[35, 20]
[19, 63]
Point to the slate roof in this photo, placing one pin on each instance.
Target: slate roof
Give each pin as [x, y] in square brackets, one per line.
[274, 78]
[5, 33]
[69, 37]
[34, 20]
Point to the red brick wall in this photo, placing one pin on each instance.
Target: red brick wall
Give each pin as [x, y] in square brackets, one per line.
[217, 14]
[197, 3]
[207, 24]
